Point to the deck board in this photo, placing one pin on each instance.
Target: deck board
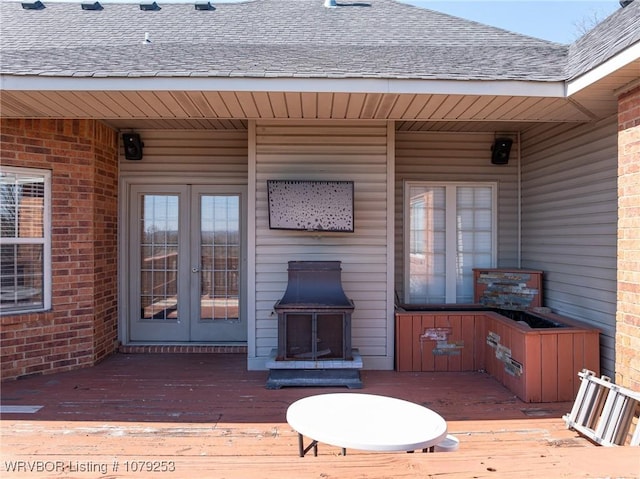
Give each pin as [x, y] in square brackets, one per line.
[210, 418]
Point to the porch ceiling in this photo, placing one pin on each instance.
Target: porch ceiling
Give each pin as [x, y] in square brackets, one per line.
[596, 92]
[231, 109]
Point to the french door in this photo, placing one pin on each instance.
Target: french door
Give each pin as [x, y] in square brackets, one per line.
[186, 264]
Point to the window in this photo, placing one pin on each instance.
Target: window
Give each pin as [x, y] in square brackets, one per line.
[450, 229]
[24, 240]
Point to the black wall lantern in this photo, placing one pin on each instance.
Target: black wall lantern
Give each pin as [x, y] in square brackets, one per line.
[132, 146]
[501, 149]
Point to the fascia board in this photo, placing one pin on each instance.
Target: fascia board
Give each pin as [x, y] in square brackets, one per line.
[318, 85]
[603, 70]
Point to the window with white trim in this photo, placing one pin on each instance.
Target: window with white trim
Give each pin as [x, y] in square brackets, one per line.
[25, 237]
[450, 228]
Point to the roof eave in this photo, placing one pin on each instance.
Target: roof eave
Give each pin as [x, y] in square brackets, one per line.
[625, 58]
[43, 83]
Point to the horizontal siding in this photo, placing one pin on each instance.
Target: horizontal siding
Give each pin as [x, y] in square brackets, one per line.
[438, 156]
[217, 157]
[326, 151]
[569, 185]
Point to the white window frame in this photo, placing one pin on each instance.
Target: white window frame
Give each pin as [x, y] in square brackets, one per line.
[45, 240]
[450, 230]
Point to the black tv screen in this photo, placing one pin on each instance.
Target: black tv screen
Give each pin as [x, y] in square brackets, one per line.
[311, 205]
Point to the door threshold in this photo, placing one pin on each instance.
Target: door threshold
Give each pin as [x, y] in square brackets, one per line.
[238, 348]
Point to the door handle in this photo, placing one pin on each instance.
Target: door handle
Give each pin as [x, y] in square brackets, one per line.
[195, 270]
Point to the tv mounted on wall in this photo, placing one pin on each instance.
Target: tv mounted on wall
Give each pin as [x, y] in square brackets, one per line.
[311, 205]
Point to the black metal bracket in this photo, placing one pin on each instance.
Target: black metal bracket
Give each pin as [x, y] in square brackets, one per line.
[304, 450]
[312, 445]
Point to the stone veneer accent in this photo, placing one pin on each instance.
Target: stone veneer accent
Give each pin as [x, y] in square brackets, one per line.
[628, 309]
[81, 327]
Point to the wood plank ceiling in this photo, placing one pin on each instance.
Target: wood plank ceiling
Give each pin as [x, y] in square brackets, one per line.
[231, 109]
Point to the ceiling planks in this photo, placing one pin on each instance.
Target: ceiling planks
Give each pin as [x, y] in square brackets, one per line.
[121, 106]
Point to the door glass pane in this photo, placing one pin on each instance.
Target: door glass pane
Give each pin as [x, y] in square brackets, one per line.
[470, 216]
[427, 244]
[159, 257]
[220, 257]
[474, 236]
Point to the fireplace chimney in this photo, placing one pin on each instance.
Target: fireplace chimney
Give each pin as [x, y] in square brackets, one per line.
[314, 283]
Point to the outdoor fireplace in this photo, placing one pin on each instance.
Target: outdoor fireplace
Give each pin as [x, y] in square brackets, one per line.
[314, 329]
[314, 315]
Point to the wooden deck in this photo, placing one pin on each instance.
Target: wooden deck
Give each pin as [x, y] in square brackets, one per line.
[205, 416]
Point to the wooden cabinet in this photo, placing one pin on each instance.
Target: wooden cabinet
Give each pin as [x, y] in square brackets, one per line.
[537, 365]
[439, 341]
[540, 365]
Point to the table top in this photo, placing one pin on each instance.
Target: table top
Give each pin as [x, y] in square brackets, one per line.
[367, 422]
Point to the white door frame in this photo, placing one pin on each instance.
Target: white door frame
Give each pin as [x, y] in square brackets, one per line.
[125, 198]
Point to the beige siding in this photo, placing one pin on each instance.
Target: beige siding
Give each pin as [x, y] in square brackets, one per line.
[214, 156]
[327, 151]
[570, 221]
[438, 156]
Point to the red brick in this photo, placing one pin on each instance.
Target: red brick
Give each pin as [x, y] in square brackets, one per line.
[628, 314]
[82, 156]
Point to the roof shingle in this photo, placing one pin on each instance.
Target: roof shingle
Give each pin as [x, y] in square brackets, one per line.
[275, 38]
[617, 32]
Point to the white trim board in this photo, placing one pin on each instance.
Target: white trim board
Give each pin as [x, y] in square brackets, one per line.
[331, 85]
[603, 70]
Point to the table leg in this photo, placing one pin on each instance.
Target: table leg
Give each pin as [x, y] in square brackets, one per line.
[426, 449]
[303, 450]
[300, 445]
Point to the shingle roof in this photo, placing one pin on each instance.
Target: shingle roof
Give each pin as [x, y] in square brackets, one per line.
[617, 32]
[269, 38]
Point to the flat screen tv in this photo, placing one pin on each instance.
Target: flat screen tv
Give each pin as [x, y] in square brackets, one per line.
[311, 205]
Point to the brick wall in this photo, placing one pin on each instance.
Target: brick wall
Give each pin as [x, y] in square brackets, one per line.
[628, 310]
[81, 327]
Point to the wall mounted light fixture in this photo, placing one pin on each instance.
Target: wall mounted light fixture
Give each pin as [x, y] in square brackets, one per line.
[132, 146]
[500, 151]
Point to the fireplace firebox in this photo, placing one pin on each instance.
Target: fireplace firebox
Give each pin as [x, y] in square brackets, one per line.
[314, 329]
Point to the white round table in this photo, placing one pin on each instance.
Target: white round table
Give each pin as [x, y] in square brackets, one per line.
[366, 422]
